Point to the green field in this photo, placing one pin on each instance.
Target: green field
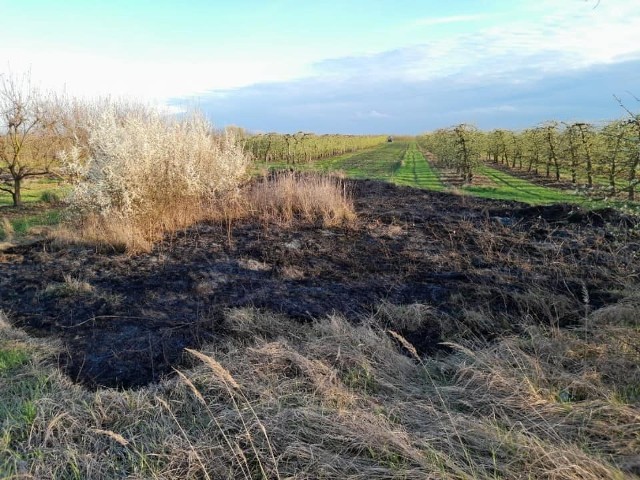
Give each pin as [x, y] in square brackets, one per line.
[508, 187]
[381, 163]
[415, 171]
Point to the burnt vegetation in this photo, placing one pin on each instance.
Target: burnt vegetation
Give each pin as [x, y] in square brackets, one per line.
[130, 324]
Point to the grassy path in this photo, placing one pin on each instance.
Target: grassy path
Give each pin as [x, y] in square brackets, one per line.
[415, 171]
[508, 187]
[379, 164]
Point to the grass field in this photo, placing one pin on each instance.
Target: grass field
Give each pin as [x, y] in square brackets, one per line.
[381, 163]
[376, 163]
[39, 198]
[508, 187]
[415, 171]
[33, 191]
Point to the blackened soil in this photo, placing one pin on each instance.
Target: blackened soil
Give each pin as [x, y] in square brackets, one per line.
[132, 321]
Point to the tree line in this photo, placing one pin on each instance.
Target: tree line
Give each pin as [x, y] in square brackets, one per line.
[304, 147]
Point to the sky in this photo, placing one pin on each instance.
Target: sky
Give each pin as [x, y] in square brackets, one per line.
[337, 66]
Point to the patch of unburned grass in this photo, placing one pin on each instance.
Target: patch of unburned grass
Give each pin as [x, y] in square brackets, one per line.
[22, 224]
[415, 171]
[25, 221]
[71, 286]
[284, 399]
[282, 197]
[23, 383]
[34, 190]
[509, 187]
[11, 357]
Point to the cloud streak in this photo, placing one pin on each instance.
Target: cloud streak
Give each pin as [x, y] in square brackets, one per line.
[429, 21]
[410, 106]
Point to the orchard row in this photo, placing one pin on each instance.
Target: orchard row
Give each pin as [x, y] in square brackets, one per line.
[603, 159]
[305, 147]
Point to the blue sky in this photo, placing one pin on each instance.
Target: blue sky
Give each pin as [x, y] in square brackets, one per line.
[338, 66]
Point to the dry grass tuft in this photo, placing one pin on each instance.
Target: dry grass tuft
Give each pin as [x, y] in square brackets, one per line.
[6, 229]
[68, 287]
[284, 196]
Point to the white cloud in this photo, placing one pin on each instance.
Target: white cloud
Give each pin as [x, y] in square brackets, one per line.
[548, 37]
[372, 114]
[428, 21]
[90, 75]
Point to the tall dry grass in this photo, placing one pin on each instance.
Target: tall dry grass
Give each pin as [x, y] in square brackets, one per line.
[283, 196]
[330, 399]
[141, 174]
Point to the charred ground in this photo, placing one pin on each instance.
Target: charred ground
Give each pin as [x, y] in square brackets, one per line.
[125, 320]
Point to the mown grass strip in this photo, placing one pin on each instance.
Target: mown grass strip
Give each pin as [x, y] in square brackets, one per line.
[323, 165]
[508, 187]
[415, 171]
[379, 164]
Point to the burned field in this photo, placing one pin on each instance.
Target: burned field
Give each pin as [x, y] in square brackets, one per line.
[125, 320]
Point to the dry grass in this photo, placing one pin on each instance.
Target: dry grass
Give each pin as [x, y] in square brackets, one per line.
[288, 195]
[6, 229]
[331, 399]
[109, 233]
[68, 287]
[279, 199]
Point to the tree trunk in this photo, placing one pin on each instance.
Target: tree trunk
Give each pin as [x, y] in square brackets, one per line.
[17, 194]
[632, 178]
[612, 179]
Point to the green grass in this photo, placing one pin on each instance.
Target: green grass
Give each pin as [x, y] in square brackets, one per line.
[379, 164]
[322, 165]
[12, 357]
[508, 187]
[23, 223]
[20, 389]
[415, 171]
[33, 191]
[39, 197]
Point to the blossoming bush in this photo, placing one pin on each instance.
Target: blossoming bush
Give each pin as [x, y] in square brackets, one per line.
[141, 174]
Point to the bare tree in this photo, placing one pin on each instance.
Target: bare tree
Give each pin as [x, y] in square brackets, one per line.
[633, 148]
[28, 140]
[550, 130]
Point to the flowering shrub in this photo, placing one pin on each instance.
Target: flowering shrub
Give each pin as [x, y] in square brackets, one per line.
[150, 173]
